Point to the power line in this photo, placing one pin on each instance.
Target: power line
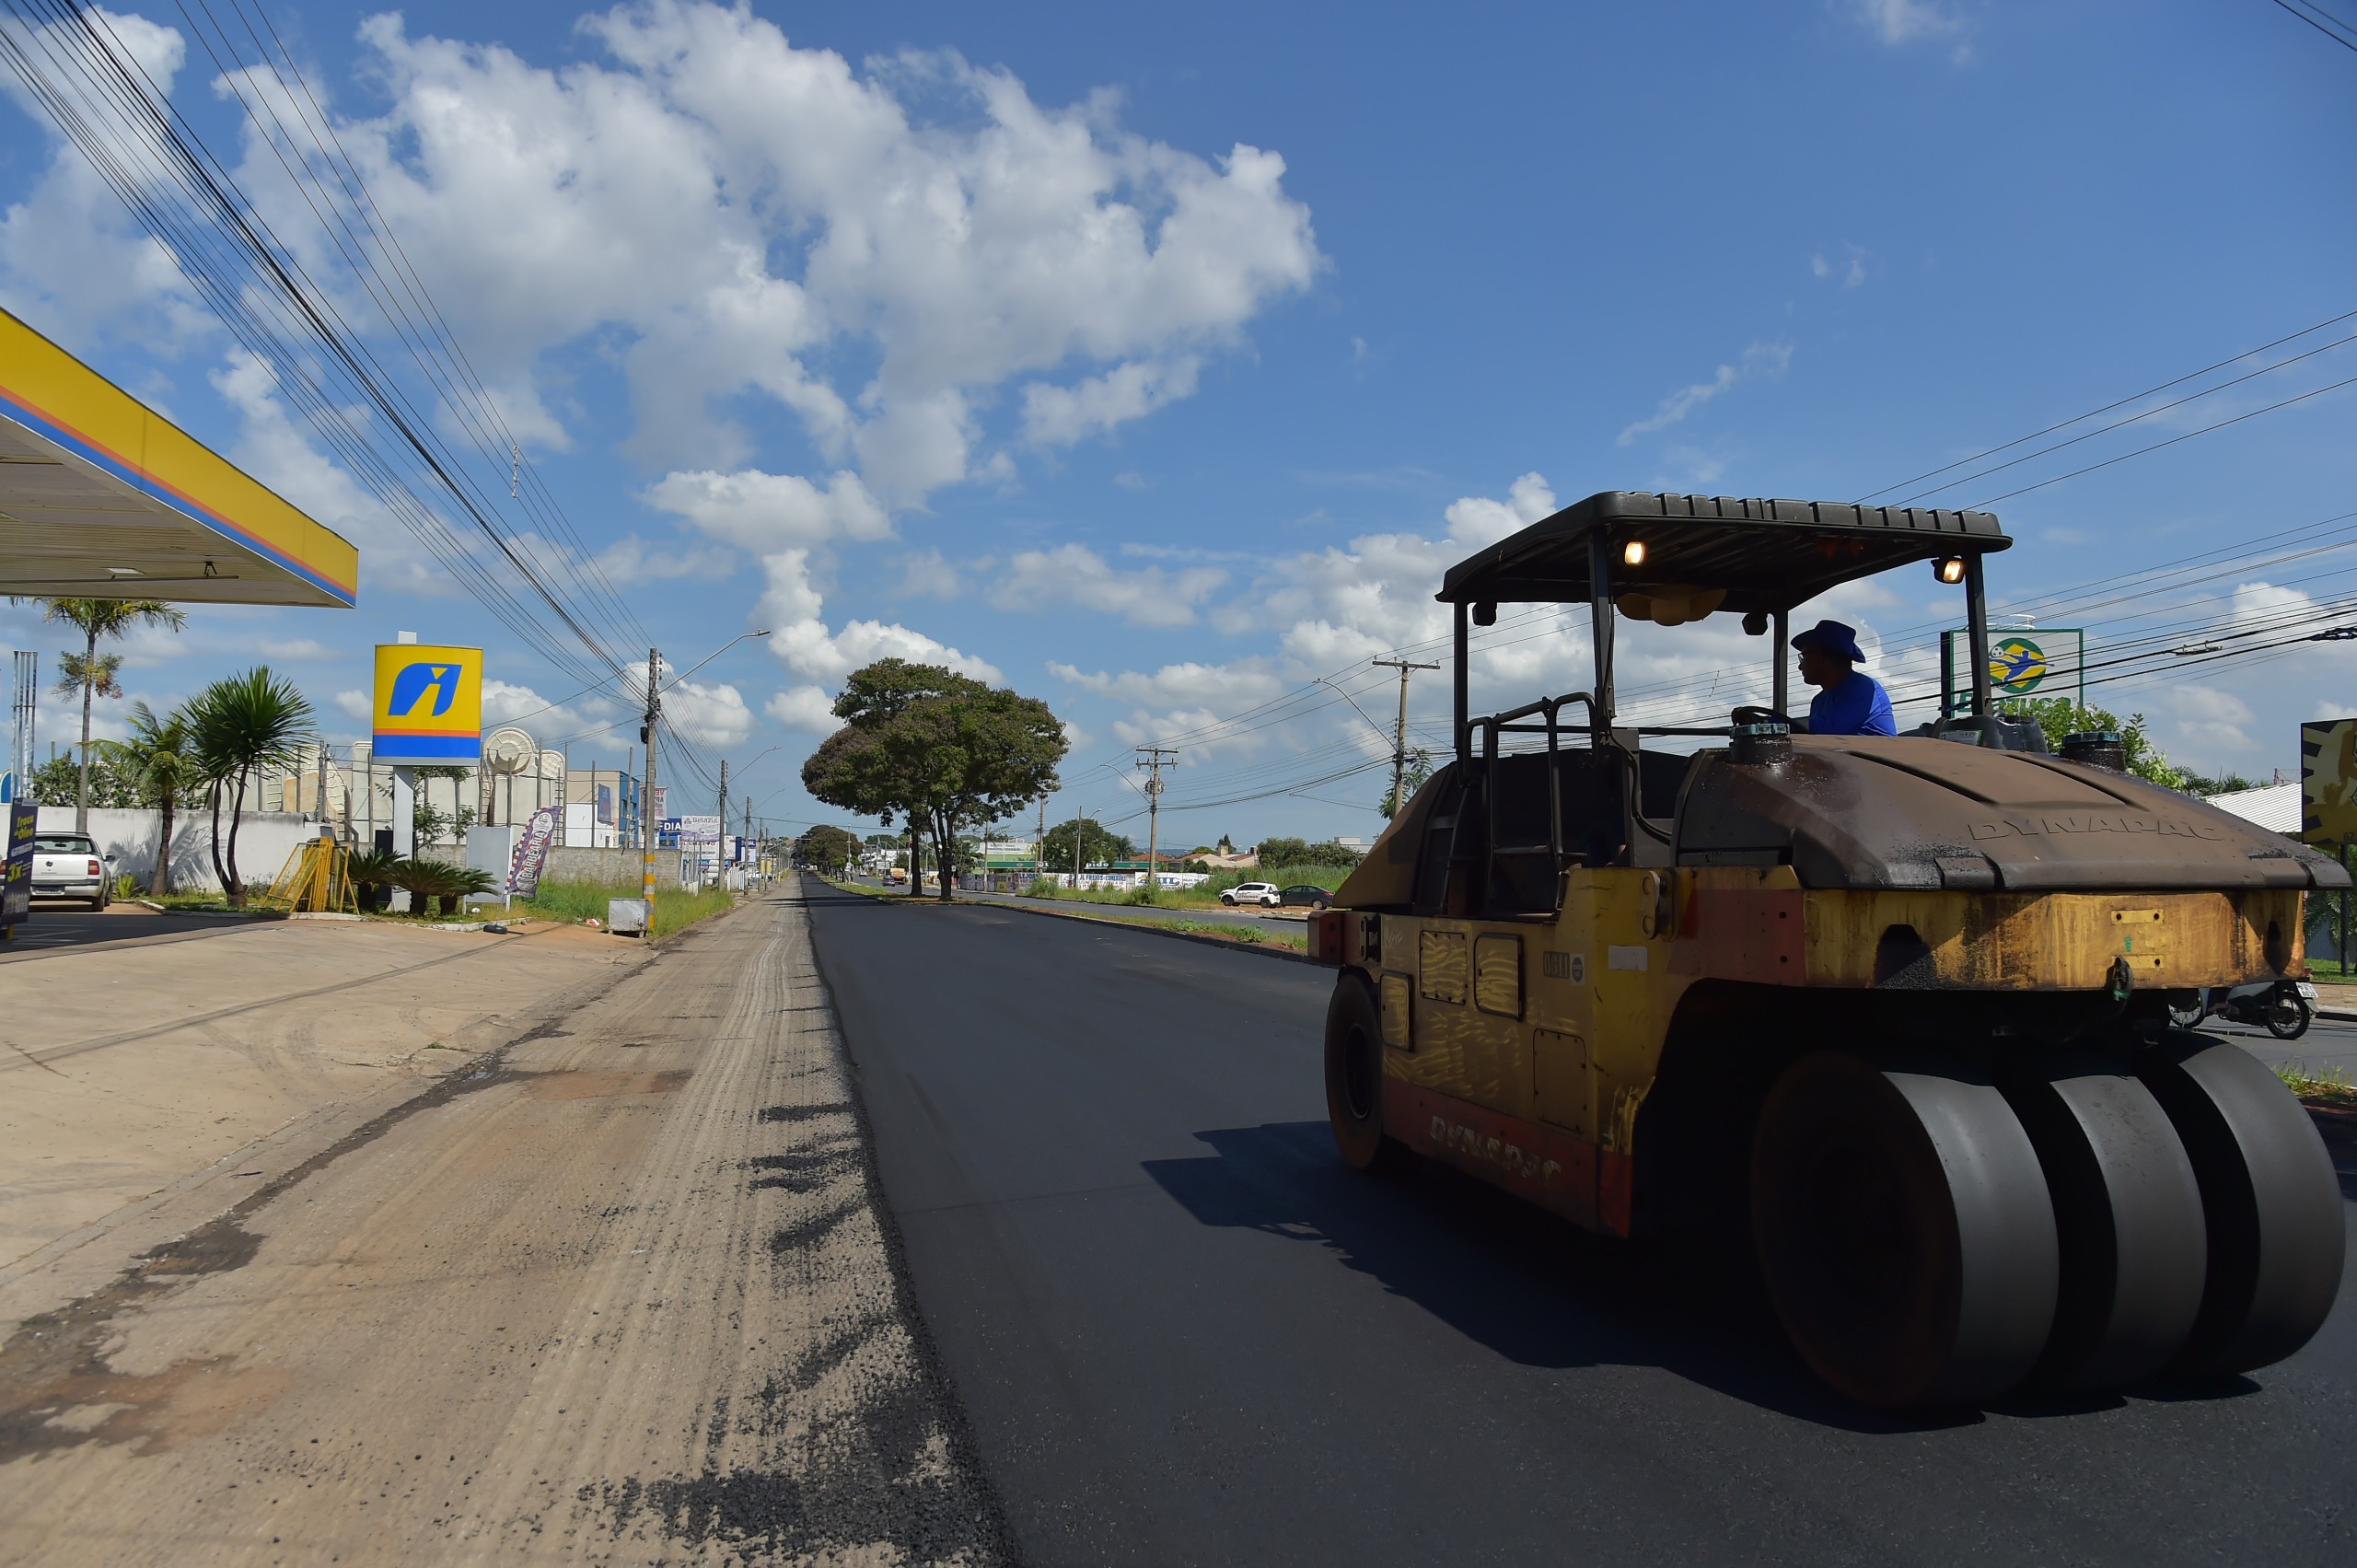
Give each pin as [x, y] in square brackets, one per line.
[2332, 26]
[2121, 402]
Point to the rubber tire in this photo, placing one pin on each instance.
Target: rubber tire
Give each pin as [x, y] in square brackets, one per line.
[2301, 1017]
[2271, 1200]
[1354, 1076]
[2128, 1218]
[1936, 1172]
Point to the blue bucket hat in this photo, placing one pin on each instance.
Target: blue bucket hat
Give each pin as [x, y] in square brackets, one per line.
[1834, 638]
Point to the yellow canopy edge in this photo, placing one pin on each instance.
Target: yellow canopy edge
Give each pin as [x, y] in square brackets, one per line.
[102, 497]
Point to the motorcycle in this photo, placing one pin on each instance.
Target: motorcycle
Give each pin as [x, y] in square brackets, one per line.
[2283, 1007]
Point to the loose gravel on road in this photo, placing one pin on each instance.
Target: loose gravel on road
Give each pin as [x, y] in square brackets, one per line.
[621, 1295]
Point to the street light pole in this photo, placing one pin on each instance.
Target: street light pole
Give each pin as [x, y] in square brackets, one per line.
[648, 821]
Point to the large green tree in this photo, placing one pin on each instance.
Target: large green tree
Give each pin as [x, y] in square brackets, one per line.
[2059, 717]
[1099, 845]
[937, 749]
[158, 758]
[831, 850]
[242, 724]
[92, 673]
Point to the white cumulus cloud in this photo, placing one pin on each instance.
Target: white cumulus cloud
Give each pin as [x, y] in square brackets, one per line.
[1074, 574]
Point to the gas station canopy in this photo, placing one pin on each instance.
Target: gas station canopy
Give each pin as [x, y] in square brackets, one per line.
[101, 497]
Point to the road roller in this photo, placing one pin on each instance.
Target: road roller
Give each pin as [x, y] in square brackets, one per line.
[1897, 1005]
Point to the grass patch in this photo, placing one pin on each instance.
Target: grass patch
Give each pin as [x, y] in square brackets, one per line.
[2329, 1087]
[676, 909]
[2332, 971]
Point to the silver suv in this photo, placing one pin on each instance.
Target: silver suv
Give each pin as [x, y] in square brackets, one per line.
[1265, 894]
[68, 865]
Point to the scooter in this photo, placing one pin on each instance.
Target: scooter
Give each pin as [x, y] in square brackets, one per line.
[2283, 1007]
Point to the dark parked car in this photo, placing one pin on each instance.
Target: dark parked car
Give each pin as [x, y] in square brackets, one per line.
[1304, 893]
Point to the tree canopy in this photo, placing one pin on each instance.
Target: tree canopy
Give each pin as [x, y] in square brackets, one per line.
[935, 748]
[1100, 846]
[830, 849]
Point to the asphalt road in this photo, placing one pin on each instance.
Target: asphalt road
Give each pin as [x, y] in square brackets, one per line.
[47, 928]
[1219, 914]
[1183, 1332]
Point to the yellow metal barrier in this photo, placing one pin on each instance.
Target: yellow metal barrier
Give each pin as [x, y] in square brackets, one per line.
[317, 879]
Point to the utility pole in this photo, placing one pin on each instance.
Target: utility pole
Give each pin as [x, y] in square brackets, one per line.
[648, 828]
[1150, 760]
[720, 830]
[1039, 842]
[1399, 735]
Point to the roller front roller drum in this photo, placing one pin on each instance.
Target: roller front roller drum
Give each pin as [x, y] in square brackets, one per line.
[1904, 1230]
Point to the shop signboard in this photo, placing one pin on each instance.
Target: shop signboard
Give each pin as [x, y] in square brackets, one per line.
[428, 706]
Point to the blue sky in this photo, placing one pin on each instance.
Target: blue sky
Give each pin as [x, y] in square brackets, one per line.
[1156, 364]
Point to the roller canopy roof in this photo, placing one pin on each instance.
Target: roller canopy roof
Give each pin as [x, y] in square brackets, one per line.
[1768, 555]
[102, 497]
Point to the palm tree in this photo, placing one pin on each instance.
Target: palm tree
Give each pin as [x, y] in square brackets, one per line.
[158, 758]
[92, 673]
[241, 724]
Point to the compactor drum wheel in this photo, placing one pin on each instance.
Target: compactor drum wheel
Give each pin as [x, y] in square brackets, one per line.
[1904, 1230]
[2270, 1199]
[2128, 1218]
[1354, 1076]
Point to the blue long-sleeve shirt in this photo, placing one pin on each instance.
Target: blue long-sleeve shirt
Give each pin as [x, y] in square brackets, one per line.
[1857, 706]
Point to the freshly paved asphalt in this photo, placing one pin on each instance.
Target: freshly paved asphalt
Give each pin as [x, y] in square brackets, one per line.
[1183, 1332]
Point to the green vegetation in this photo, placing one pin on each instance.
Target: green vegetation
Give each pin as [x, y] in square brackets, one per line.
[239, 727]
[675, 909]
[2059, 717]
[91, 673]
[159, 764]
[937, 749]
[2329, 1087]
[828, 849]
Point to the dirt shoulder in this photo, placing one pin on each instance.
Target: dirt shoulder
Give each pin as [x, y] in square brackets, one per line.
[147, 1087]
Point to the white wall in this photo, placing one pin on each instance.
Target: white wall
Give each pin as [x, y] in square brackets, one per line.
[265, 840]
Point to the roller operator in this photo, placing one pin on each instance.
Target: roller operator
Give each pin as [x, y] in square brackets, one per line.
[1848, 701]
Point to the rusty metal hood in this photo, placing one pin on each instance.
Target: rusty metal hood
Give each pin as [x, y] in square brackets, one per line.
[1875, 811]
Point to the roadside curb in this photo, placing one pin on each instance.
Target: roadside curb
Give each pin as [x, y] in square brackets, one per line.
[1227, 944]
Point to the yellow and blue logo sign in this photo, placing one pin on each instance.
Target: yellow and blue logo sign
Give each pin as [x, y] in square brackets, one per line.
[2017, 665]
[429, 704]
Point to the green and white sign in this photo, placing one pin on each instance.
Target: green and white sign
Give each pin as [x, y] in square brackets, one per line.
[2021, 663]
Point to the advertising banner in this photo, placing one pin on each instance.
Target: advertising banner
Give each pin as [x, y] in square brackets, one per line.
[699, 830]
[606, 804]
[531, 860]
[428, 706]
[17, 873]
[2329, 782]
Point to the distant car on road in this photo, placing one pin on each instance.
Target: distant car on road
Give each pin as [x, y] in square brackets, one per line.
[1265, 894]
[68, 865]
[1306, 894]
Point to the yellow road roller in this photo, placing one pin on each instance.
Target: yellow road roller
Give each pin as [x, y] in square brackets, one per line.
[1900, 1001]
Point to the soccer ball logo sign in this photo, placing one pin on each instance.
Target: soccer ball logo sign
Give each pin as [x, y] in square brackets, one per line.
[2017, 666]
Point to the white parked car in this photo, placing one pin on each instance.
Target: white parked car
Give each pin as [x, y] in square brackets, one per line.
[1265, 894]
[68, 865]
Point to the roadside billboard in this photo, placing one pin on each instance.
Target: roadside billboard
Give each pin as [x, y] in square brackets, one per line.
[428, 705]
[2329, 782]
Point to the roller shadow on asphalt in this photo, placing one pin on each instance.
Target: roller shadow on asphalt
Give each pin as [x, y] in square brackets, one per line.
[1532, 1288]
